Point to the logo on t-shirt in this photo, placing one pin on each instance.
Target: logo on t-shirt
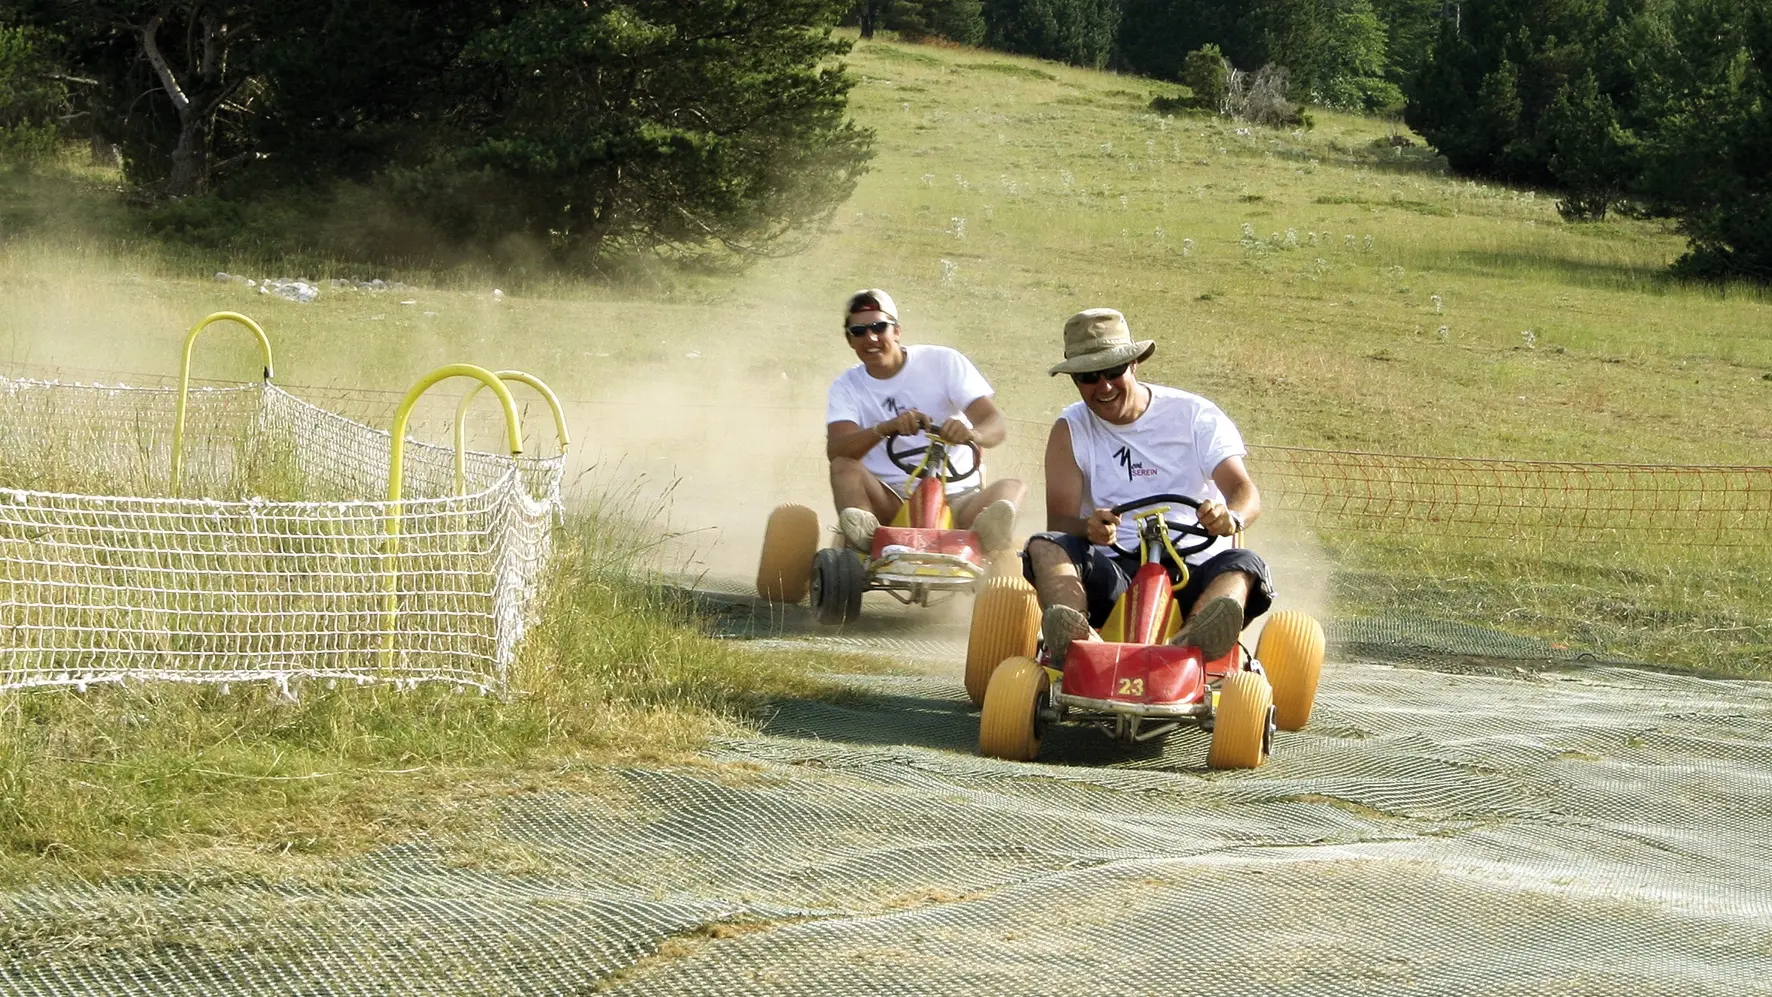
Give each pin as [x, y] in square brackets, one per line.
[892, 405]
[1134, 468]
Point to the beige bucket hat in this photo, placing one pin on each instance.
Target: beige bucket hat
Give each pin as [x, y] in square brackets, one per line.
[1098, 338]
[870, 300]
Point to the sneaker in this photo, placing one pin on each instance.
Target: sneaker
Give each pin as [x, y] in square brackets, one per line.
[1059, 626]
[1214, 629]
[857, 526]
[995, 526]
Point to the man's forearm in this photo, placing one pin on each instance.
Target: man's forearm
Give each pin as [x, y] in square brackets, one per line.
[854, 445]
[1246, 503]
[991, 431]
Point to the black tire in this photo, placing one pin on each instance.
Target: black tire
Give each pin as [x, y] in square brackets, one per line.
[838, 580]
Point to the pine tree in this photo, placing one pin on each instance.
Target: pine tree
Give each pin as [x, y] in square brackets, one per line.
[1207, 74]
[1703, 76]
[1156, 36]
[591, 128]
[1590, 152]
[1080, 32]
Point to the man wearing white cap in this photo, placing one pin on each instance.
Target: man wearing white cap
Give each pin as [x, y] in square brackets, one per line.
[906, 389]
[1125, 440]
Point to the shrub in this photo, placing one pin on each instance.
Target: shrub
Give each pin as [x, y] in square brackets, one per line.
[1260, 98]
[1207, 73]
[30, 99]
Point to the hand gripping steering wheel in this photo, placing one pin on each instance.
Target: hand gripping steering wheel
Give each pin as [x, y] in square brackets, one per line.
[937, 451]
[1148, 520]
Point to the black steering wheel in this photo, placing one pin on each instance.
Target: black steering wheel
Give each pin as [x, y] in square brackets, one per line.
[905, 461]
[1185, 529]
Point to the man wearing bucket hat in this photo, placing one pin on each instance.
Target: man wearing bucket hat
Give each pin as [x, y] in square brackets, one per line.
[906, 389]
[1124, 440]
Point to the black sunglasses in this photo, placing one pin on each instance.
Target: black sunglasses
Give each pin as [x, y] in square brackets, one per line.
[877, 328]
[1090, 377]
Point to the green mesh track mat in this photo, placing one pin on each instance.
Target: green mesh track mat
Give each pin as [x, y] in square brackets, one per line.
[1593, 830]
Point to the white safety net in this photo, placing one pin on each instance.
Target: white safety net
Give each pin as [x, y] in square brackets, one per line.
[275, 563]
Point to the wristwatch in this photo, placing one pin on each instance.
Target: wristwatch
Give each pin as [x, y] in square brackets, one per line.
[1236, 519]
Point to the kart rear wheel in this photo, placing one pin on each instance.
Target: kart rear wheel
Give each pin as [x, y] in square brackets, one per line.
[1291, 652]
[1005, 624]
[789, 541]
[838, 580]
[1009, 726]
[1240, 725]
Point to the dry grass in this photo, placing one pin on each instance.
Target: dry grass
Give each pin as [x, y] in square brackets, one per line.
[1072, 195]
[149, 776]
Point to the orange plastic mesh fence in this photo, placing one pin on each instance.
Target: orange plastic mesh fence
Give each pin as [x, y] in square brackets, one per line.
[1694, 506]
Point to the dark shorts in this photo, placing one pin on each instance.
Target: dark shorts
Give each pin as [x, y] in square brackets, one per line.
[1106, 574]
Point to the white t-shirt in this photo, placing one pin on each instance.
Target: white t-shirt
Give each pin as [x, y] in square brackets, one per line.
[935, 380]
[1173, 447]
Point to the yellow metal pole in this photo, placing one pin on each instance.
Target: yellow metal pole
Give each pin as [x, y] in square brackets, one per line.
[461, 417]
[184, 384]
[396, 457]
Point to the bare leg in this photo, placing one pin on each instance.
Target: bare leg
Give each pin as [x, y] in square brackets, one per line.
[854, 486]
[1060, 589]
[967, 509]
[1234, 584]
[1055, 578]
[1216, 618]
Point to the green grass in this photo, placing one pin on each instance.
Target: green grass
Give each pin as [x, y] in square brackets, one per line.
[1073, 195]
[158, 777]
[1704, 611]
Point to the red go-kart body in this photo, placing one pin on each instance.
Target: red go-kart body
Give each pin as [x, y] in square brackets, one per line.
[924, 538]
[916, 559]
[1133, 682]
[1138, 672]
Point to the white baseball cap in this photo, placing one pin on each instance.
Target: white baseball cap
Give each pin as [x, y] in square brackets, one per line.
[871, 300]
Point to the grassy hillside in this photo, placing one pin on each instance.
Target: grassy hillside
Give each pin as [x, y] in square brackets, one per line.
[1329, 288]
[1304, 280]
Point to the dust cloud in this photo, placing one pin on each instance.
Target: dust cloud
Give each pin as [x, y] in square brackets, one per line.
[65, 308]
[690, 420]
[1299, 565]
[703, 462]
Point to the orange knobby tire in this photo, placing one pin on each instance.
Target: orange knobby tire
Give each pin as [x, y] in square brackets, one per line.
[1006, 564]
[1005, 624]
[785, 568]
[1009, 725]
[1240, 723]
[1291, 652]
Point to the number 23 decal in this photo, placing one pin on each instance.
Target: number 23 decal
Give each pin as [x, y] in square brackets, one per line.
[1130, 687]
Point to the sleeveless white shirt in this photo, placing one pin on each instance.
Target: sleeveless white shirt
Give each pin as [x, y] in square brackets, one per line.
[1173, 447]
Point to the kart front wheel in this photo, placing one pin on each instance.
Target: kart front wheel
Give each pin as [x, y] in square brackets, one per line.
[1291, 652]
[838, 580]
[789, 541]
[1009, 725]
[1005, 624]
[1241, 723]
